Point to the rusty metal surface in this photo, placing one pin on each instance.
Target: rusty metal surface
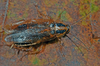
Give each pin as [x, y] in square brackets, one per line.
[63, 53]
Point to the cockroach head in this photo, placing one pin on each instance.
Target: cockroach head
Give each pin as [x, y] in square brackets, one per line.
[68, 29]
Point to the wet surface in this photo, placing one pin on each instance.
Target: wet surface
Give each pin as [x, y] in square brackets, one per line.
[64, 52]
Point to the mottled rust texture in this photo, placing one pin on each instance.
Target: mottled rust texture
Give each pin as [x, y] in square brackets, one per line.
[63, 53]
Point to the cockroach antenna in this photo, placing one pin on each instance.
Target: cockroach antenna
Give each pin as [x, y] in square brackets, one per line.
[81, 42]
[80, 19]
[75, 45]
[76, 37]
[5, 14]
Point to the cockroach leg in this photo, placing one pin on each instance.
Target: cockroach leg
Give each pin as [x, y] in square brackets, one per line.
[5, 15]
[42, 48]
[18, 52]
[59, 40]
[39, 50]
[29, 53]
[60, 45]
[42, 15]
[8, 31]
[59, 17]
[19, 22]
[11, 46]
[3, 30]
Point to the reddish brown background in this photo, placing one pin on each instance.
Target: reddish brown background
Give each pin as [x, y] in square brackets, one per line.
[57, 54]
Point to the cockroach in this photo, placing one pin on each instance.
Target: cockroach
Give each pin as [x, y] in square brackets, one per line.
[32, 32]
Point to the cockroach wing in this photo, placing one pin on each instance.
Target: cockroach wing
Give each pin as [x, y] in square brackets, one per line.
[29, 33]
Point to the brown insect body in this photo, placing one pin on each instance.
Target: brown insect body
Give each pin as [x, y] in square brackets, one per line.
[29, 35]
[32, 32]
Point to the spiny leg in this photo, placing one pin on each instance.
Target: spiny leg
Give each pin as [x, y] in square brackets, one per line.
[5, 15]
[18, 52]
[39, 50]
[2, 30]
[59, 17]
[61, 46]
[11, 46]
[4, 19]
[40, 14]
